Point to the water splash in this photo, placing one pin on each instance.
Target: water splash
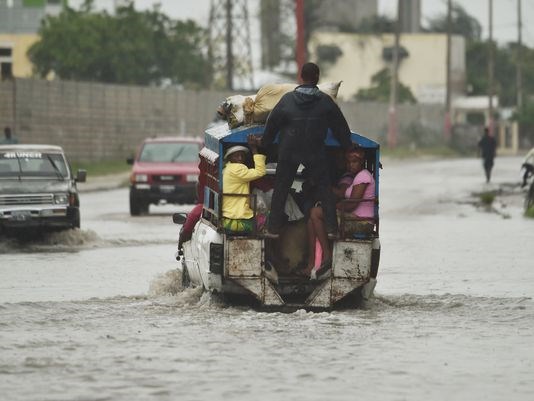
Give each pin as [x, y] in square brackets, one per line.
[59, 241]
[169, 283]
[167, 289]
[65, 241]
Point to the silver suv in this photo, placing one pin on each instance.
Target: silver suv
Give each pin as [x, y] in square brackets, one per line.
[37, 188]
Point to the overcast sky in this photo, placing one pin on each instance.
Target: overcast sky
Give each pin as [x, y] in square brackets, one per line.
[504, 13]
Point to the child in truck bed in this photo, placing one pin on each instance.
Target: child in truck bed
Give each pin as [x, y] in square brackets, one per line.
[236, 210]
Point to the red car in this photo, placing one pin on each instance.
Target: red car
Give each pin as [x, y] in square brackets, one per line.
[164, 169]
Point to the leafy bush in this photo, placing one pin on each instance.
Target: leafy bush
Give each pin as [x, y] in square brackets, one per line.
[328, 53]
[130, 47]
[487, 198]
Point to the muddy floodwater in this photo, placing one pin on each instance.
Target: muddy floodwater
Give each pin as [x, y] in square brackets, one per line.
[98, 314]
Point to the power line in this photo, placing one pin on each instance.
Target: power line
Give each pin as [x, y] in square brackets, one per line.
[230, 51]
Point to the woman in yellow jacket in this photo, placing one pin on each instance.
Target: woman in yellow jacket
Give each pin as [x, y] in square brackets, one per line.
[237, 213]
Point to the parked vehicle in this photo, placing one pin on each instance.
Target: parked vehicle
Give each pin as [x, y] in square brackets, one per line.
[37, 188]
[164, 170]
[263, 271]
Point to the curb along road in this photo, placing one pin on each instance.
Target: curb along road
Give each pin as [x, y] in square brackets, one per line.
[104, 182]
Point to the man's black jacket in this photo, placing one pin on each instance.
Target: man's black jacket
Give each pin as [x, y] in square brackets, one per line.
[487, 146]
[303, 117]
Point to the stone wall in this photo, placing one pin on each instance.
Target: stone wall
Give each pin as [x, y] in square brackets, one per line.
[7, 112]
[93, 121]
[420, 125]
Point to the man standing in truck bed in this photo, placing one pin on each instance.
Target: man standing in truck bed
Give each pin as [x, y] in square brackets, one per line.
[303, 117]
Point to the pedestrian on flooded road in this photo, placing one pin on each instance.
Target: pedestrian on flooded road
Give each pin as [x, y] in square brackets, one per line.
[8, 138]
[487, 146]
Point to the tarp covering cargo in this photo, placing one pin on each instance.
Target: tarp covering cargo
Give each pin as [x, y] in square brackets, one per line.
[269, 95]
[240, 110]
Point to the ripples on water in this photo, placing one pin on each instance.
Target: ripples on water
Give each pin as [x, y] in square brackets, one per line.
[65, 241]
[174, 344]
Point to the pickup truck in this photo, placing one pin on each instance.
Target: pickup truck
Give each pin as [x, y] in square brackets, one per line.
[164, 170]
[254, 269]
[37, 189]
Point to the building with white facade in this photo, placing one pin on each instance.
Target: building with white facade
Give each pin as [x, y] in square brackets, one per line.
[423, 67]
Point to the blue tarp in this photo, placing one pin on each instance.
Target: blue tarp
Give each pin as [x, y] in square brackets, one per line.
[216, 136]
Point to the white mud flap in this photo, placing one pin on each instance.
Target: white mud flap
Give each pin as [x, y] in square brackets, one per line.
[243, 257]
[243, 265]
[350, 270]
[352, 260]
[262, 289]
[321, 296]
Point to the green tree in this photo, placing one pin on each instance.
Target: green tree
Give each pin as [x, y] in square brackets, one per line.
[380, 89]
[505, 58]
[376, 24]
[130, 47]
[525, 118]
[462, 23]
[504, 71]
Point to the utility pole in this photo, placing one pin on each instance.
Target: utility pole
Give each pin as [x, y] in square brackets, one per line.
[300, 50]
[392, 112]
[229, 51]
[447, 130]
[518, 78]
[490, 69]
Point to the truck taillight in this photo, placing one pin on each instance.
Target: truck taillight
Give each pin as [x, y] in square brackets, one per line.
[216, 258]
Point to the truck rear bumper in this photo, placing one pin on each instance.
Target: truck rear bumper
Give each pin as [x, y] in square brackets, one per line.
[183, 193]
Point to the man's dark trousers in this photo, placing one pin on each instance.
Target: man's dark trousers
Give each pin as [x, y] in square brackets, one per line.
[286, 171]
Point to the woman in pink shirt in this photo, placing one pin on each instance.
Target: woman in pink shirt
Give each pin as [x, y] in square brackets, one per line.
[357, 187]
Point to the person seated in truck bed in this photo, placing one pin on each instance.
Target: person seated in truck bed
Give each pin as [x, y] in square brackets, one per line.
[357, 187]
[358, 190]
[238, 217]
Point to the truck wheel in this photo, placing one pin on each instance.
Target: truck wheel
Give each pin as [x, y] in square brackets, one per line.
[186, 281]
[76, 220]
[135, 207]
[143, 207]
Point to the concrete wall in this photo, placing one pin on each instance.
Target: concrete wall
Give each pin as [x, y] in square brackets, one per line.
[105, 122]
[420, 124]
[7, 110]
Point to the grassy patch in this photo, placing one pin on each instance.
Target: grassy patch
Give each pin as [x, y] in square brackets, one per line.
[486, 198]
[530, 212]
[408, 152]
[102, 168]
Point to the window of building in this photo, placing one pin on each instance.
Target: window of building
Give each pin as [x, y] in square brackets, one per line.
[6, 71]
[5, 52]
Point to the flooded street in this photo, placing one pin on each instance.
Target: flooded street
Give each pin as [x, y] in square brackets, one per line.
[98, 314]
